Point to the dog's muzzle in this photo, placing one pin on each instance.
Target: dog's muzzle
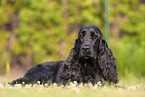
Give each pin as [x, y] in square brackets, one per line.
[86, 52]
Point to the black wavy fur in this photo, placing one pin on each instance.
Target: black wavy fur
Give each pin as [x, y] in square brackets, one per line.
[90, 60]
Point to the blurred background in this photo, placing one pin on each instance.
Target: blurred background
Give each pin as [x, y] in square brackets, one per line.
[37, 31]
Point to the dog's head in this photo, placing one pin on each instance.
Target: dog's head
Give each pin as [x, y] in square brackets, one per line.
[88, 41]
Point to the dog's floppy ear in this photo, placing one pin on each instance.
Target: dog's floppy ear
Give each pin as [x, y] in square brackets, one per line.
[71, 69]
[107, 62]
[73, 56]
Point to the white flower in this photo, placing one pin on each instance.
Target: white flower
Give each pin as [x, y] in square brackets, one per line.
[75, 82]
[54, 85]
[132, 87]
[95, 86]
[73, 85]
[1, 85]
[99, 83]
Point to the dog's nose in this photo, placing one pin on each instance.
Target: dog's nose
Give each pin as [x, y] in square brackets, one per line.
[86, 48]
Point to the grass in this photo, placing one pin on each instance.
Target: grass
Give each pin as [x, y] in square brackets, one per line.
[67, 92]
[122, 89]
[133, 87]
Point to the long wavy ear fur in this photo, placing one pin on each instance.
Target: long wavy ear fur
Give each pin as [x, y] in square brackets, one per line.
[71, 68]
[107, 62]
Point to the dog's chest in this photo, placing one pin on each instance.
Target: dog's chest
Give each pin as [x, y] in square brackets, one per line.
[90, 74]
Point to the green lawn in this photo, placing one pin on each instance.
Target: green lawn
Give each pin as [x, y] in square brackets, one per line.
[65, 92]
[124, 89]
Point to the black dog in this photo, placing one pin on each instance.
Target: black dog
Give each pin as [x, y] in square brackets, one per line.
[89, 61]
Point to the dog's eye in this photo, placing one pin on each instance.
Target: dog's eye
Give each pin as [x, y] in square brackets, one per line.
[81, 36]
[93, 36]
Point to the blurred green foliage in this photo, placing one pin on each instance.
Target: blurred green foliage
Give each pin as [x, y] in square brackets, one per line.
[34, 31]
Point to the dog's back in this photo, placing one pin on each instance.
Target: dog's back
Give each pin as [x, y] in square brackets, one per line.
[44, 72]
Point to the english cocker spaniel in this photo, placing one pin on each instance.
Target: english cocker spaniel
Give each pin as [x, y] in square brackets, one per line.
[90, 60]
